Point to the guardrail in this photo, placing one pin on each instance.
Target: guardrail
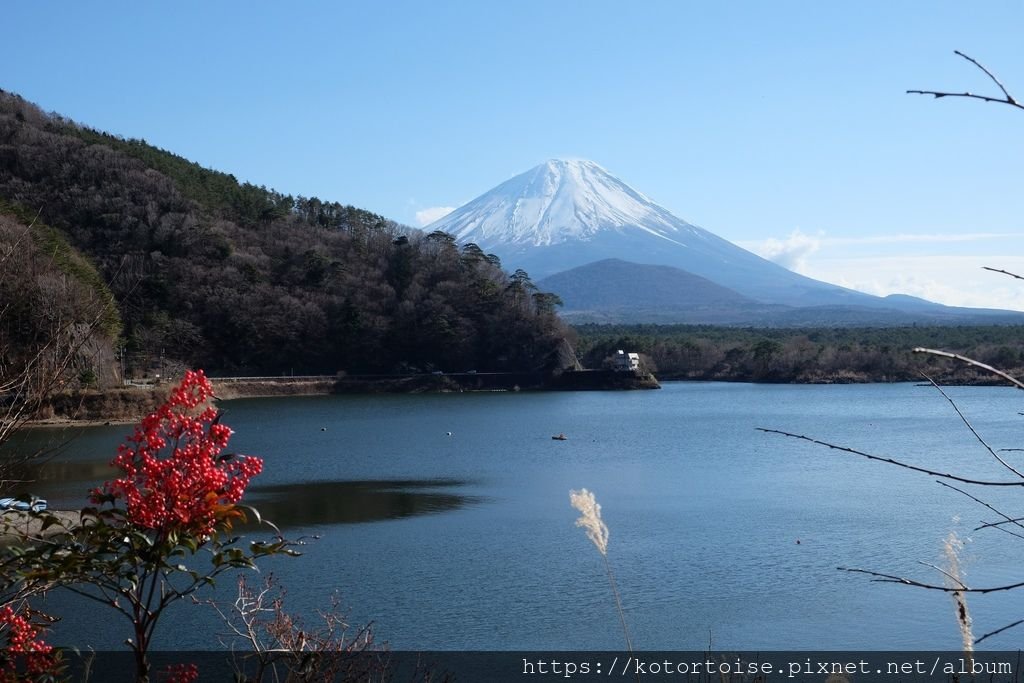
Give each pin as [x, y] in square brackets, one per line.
[278, 378]
[321, 378]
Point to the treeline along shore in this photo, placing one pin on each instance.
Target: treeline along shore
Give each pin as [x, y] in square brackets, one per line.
[671, 352]
[808, 356]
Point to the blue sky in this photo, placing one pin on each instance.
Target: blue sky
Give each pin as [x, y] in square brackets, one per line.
[782, 126]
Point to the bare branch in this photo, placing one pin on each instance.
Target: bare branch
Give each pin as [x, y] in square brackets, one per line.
[988, 73]
[1007, 98]
[977, 436]
[1003, 272]
[977, 500]
[970, 361]
[890, 578]
[944, 573]
[970, 95]
[999, 630]
[891, 461]
[997, 525]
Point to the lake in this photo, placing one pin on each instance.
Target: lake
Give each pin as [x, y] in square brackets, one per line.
[467, 541]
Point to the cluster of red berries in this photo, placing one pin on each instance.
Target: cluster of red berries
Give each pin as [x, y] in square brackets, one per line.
[174, 476]
[23, 654]
[180, 673]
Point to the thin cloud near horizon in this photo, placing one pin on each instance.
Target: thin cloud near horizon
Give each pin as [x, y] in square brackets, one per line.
[425, 217]
[951, 279]
[798, 239]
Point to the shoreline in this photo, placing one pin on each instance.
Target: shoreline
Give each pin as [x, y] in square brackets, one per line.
[54, 422]
[127, 405]
[131, 404]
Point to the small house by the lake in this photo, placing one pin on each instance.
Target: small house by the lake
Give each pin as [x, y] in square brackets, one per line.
[625, 362]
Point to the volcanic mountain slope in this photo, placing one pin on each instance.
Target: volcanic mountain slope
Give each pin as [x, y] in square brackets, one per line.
[564, 214]
[613, 290]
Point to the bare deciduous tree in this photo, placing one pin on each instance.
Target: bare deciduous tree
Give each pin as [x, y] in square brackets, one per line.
[55, 329]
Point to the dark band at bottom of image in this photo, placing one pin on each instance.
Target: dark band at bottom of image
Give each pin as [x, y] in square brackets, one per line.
[721, 666]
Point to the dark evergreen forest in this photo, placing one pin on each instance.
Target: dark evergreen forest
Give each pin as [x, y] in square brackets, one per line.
[877, 354]
[210, 272]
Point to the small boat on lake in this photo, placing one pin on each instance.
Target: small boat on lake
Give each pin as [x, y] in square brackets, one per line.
[560, 437]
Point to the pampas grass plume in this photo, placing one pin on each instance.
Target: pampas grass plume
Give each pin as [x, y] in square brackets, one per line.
[590, 518]
[590, 521]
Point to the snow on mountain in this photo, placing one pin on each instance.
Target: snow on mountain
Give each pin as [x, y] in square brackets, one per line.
[567, 213]
[558, 201]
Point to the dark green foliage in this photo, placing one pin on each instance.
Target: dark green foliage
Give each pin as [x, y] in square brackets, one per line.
[210, 272]
[806, 355]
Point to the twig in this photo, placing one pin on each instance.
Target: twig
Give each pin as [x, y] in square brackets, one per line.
[977, 436]
[944, 573]
[990, 525]
[1007, 98]
[979, 501]
[890, 578]
[891, 461]
[972, 60]
[1004, 272]
[999, 630]
[970, 361]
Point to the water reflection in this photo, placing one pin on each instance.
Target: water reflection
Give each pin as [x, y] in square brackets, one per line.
[77, 471]
[66, 483]
[60, 464]
[354, 502]
[62, 482]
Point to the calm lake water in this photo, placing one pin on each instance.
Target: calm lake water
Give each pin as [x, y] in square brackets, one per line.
[467, 541]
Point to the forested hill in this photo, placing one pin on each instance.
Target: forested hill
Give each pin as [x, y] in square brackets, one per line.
[843, 354]
[210, 272]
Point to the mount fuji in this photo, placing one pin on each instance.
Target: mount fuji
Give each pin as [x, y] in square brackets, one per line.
[564, 214]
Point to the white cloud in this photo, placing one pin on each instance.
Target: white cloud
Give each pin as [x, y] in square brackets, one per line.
[944, 268]
[954, 280]
[918, 238]
[429, 215]
[791, 252]
[803, 245]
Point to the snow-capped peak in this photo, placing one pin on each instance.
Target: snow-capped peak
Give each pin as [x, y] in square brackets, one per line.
[558, 201]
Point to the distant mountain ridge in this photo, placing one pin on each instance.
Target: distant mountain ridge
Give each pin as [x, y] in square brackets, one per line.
[613, 290]
[616, 291]
[564, 214]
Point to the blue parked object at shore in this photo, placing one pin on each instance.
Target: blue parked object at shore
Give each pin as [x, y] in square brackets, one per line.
[35, 505]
